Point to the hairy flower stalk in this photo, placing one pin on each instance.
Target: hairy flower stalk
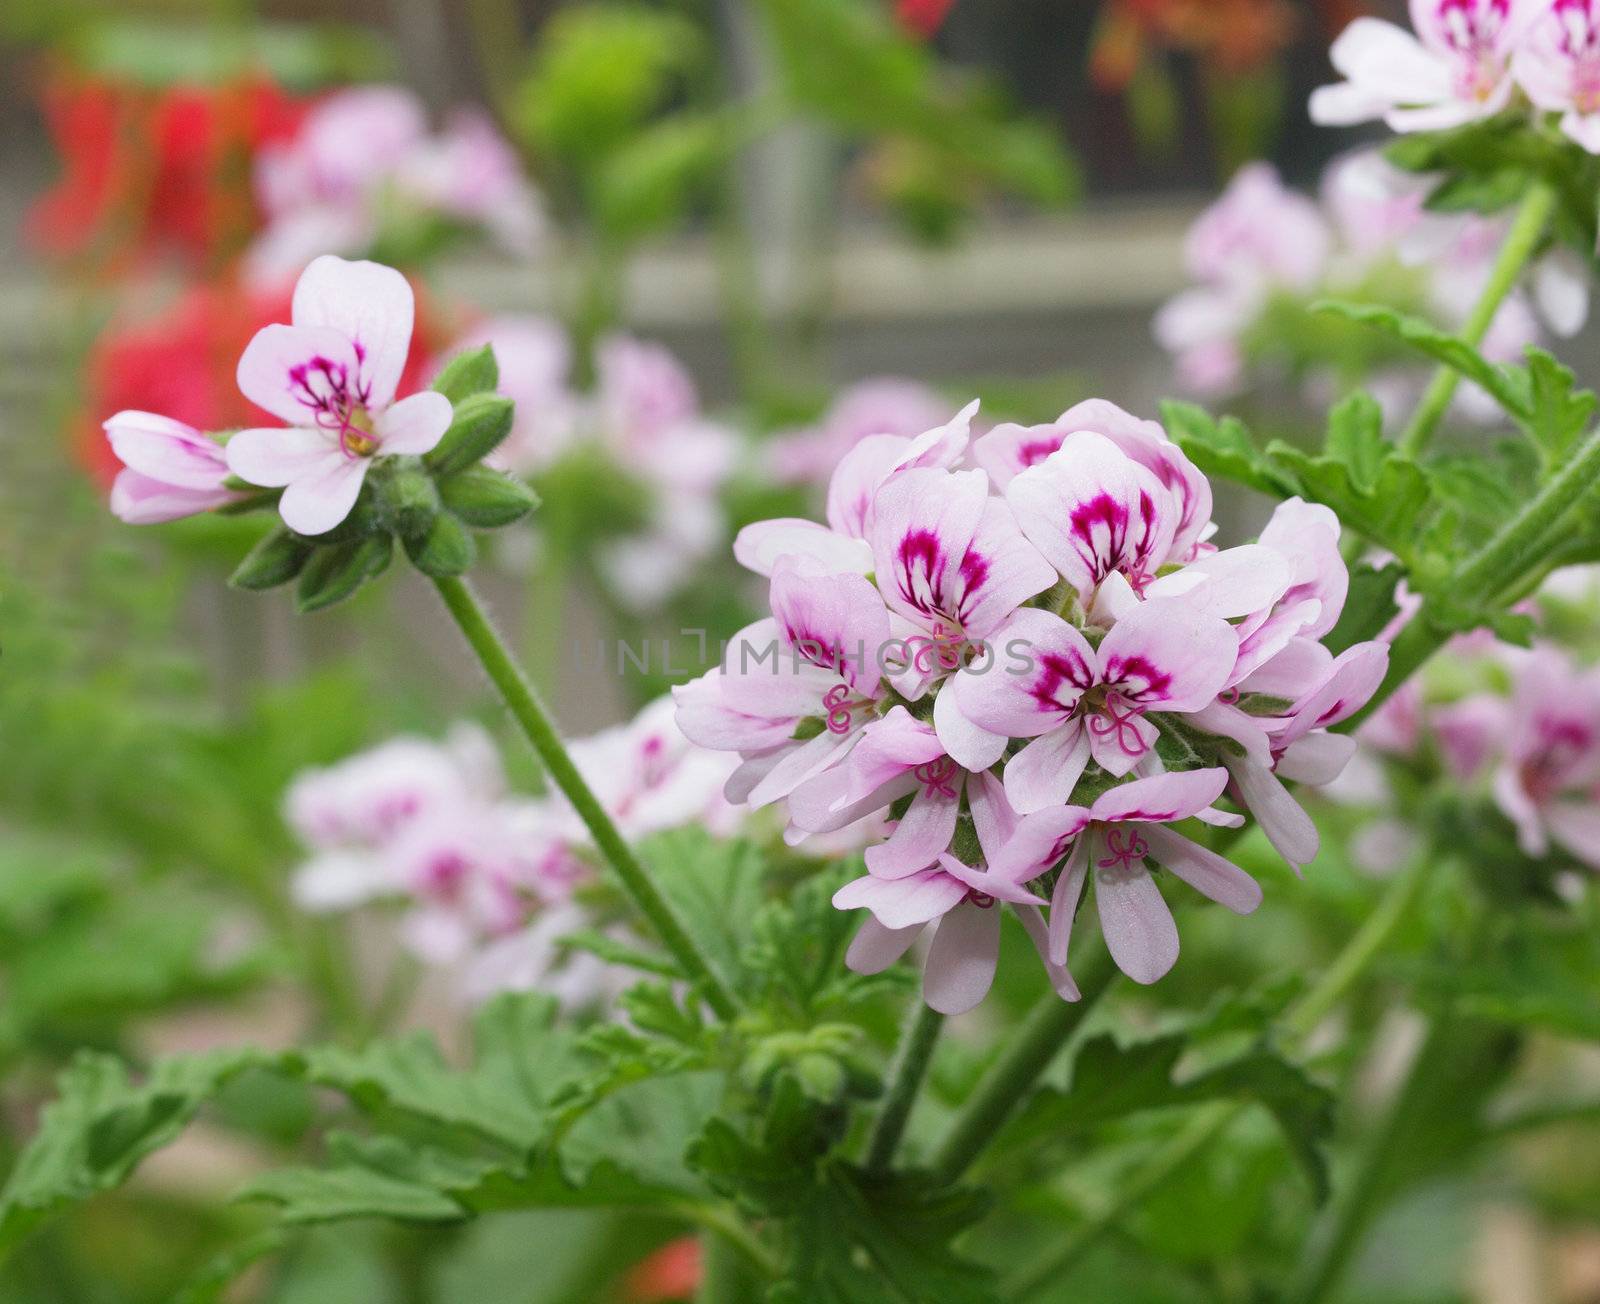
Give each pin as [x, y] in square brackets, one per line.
[536, 725]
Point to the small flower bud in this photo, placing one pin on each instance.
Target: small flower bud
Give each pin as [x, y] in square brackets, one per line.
[482, 421]
[408, 500]
[446, 550]
[485, 498]
[473, 372]
[334, 573]
[275, 560]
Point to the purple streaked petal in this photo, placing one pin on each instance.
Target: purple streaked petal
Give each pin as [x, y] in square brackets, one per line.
[1000, 572]
[286, 369]
[1037, 843]
[1204, 870]
[1060, 667]
[836, 622]
[1161, 798]
[961, 961]
[925, 522]
[902, 902]
[371, 306]
[1008, 450]
[166, 450]
[1169, 656]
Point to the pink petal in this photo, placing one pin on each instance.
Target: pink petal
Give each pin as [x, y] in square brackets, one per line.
[414, 425]
[138, 500]
[1119, 742]
[371, 306]
[1044, 773]
[275, 456]
[759, 547]
[1009, 450]
[902, 902]
[1060, 980]
[960, 966]
[1169, 656]
[1038, 841]
[1205, 871]
[1000, 571]
[836, 622]
[282, 369]
[1317, 758]
[319, 500]
[1234, 582]
[991, 885]
[1575, 825]
[921, 835]
[971, 747]
[166, 450]
[1058, 666]
[1286, 825]
[992, 816]
[797, 765]
[1064, 899]
[1161, 798]
[1136, 923]
[708, 719]
[874, 948]
[924, 523]
[856, 480]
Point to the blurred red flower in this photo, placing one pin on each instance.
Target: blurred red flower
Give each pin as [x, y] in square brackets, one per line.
[154, 169]
[923, 18]
[182, 364]
[671, 1273]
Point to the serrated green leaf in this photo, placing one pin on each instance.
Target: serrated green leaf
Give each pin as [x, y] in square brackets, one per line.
[1368, 608]
[1225, 449]
[1437, 344]
[1557, 413]
[716, 886]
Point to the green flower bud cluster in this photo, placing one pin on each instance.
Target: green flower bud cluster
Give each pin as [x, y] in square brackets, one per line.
[430, 505]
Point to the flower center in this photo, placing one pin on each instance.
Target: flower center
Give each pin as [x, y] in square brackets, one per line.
[841, 708]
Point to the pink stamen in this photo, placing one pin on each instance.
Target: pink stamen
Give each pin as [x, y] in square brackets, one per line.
[1111, 721]
[1125, 856]
[980, 899]
[935, 776]
[837, 700]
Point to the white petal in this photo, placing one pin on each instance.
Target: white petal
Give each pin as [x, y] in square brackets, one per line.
[960, 967]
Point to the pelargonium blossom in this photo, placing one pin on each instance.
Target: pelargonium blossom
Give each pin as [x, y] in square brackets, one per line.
[171, 470]
[332, 377]
[1043, 646]
[1557, 63]
[1454, 69]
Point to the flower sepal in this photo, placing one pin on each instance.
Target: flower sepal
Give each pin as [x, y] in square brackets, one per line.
[486, 499]
[276, 559]
[477, 371]
[480, 425]
[447, 548]
[335, 572]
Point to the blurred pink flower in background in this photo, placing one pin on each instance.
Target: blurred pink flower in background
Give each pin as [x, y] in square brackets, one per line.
[884, 405]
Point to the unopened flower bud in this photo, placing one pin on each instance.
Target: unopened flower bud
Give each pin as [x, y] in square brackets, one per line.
[485, 498]
[482, 421]
[447, 549]
[335, 573]
[275, 560]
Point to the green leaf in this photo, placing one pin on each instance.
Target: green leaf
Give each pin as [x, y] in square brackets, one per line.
[1437, 344]
[1557, 413]
[715, 885]
[1111, 1081]
[313, 1195]
[102, 1124]
[648, 184]
[1225, 449]
[487, 499]
[1487, 192]
[480, 425]
[476, 371]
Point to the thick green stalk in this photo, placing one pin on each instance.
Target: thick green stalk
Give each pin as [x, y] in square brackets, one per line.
[1028, 1053]
[910, 1067]
[536, 724]
[1527, 230]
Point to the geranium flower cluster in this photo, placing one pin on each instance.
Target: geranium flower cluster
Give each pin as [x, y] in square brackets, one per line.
[1263, 247]
[644, 417]
[1466, 60]
[364, 171]
[1027, 651]
[491, 882]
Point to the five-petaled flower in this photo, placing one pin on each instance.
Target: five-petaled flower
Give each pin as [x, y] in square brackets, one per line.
[332, 377]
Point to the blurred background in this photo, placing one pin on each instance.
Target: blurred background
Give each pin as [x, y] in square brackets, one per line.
[713, 242]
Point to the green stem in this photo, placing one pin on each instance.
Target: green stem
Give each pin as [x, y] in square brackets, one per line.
[540, 731]
[724, 1272]
[1028, 1053]
[1500, 566]
[1527, 230]
[1211, 1121]
[906, 1074]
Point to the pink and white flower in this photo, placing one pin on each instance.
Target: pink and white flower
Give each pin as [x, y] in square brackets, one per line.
[962, 904]
[332, 377]
[1557, 63]
[171, 470]
[1077, 701]
[1115, 840]
[1455, 69]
